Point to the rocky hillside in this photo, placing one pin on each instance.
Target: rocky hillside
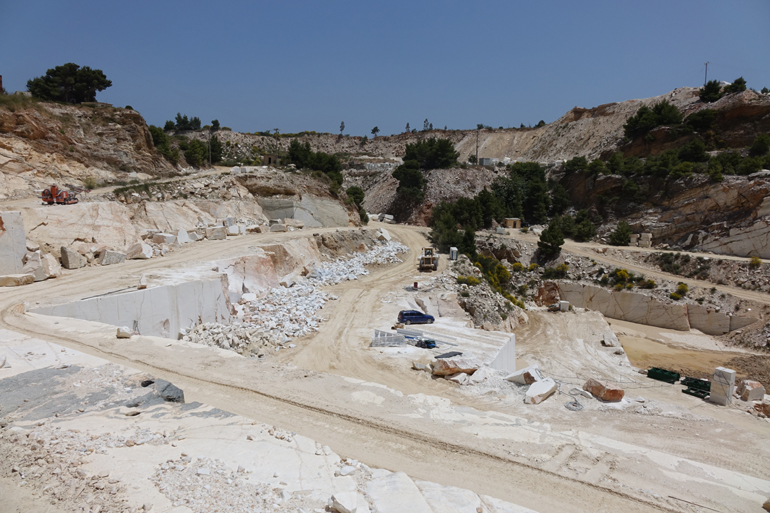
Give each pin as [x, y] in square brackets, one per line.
[45, 143]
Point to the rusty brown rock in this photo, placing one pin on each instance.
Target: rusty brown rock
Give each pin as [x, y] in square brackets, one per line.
[603, 390]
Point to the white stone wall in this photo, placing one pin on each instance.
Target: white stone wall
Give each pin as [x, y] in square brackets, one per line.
[13, 242]
[158, 311]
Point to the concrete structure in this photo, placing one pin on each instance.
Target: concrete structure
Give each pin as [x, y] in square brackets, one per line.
[159, 311]
[512, 222]
[722, 386]
[270, 159]
[13, 243]
[454, 254]
[501, 231]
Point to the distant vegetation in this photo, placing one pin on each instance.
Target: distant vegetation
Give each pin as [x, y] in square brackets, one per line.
[183, 123]
[645, 119]
[69, 83]
[161, 142]
[712, 91]
[356, 196]
[304, 158]
[420, 157]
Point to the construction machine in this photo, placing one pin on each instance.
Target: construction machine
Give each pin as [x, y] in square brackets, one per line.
[55, 196]
[428, 260]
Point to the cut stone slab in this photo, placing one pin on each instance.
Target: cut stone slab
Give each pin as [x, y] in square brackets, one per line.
[109, 257]
[603, 390]
[182, 237]
[396, 493]
[193, 236]
[751, 390]
[164, 238]
[345, 502]
[71, 259]
[233, 230]
[278, 228]
[540, 391]
[13, 243]
[722, 386]
[15, 280]
[216, 233]
[526, 376]
[139, 251]
[169, 392]
[123, 332]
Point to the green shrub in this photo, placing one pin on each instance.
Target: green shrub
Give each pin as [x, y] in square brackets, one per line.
[533, 267]
[675, 296]
[755, 262]
[465, 293]
[619, 286]
[647, 284]
[682, 289]
[517, 267]
[621, 236]
[468, 280]
[89, 183]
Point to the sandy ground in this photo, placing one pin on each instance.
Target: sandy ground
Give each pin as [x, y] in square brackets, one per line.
[636, 456]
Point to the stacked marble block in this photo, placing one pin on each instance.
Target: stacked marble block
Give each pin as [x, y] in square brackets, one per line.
[722, 386]
[643, 240]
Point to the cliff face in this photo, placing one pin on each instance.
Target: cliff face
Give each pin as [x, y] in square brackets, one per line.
[47, 143]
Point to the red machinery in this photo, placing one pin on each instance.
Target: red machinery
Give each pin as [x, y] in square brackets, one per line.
[54, 196]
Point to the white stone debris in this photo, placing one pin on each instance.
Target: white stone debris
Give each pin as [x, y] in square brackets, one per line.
[269, 321]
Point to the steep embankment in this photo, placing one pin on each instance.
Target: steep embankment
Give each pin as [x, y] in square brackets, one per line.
[45, 143]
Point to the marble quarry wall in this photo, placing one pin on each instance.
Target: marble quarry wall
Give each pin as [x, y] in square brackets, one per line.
[158, 311]
[649, 310]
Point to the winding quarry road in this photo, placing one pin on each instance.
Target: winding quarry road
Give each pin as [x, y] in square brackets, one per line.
[471, 442]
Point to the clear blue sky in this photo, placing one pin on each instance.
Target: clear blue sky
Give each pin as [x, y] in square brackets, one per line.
[307, 65]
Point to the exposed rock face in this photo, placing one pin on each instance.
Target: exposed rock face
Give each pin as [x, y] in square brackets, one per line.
[13, 243]
[53, 142]
[105, 223]
[629, 306]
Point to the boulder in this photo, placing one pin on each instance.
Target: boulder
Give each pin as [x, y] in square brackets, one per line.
[123, 332]
[216, 233]
[32, 246]
[229, 221]
[447, 366]
[33, 265]
[751, 390]
[169, 392]
[278, 228]
[182, 237]
[142, 283]
[71, 259]
[109, 257]
[540, 391]
[421, 367]
[763, 406]
[139, 251]
[526, 376]
[344, 502]
[382, 234]
[480, 375]
[602, 390]
[14, 280]
[233, 230]
[51, 266]
[163, 238]
[193, 236]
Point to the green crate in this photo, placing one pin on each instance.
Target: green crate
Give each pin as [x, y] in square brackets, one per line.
[701, 394]
[663, 375]
[697, 384]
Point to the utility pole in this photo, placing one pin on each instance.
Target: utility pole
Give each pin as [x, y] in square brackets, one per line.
[477, 146]
[706, 78]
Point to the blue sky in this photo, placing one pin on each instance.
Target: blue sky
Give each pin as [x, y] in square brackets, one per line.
[308, 65]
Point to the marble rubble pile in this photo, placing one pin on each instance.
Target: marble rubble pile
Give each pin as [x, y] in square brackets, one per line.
[344, 269]
[268, 323]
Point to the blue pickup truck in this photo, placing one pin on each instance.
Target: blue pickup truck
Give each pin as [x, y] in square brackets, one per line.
[414, 317]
